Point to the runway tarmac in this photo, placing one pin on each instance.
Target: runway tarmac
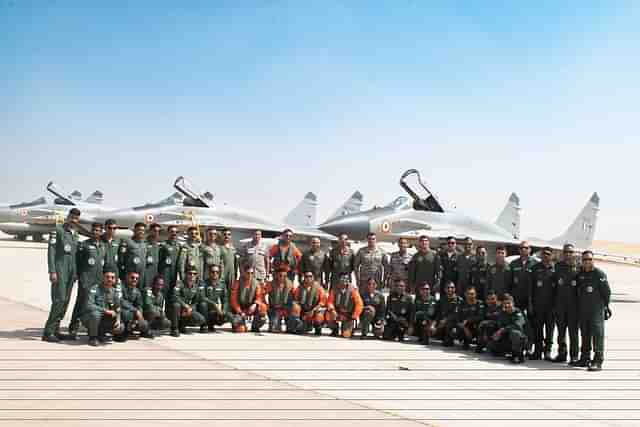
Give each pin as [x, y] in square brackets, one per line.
[263, 379]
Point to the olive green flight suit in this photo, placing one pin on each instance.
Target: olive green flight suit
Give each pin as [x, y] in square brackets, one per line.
[90, 259]
[61, 259]
[594, 295]
[566, 308]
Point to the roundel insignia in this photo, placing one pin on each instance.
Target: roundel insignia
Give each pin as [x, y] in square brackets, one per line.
[539, 283]
[385, 227]
[168, 261]
[149, 260]
[589, 289]
[23, 212]
[560, 281]
[148, 218]
[573, 283]
[67, 248]
[136, 260]
[115, 257]
[91, 261]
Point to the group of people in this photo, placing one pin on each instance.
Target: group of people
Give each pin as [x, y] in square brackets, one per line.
[142, 286]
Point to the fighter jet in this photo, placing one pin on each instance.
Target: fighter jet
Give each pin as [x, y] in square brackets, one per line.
[414, 216]
[198, 209]
[39, 217]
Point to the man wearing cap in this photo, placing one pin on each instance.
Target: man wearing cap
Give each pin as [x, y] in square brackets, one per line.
[470, 315]
[190, 254]
[594, 295]
[541, 305]
[315, 260]
[154, 306]
[61, 258]
[90, 261]
[424, 267]
[510, 336]
[566, 304]
[286, 252]
[426, 314]
[213, 305]
[489, 324]
[168, 259]
[399, 314]
[465, 262]
[153, 256]
[340, 260]
[111, 245]
[102, 314]
[184, 299]
[278, 293]
[343, 308]
[373, 311]
[499, 275]
[256, 254]
[133, 254]
[398, 264]
[132, 307]
[448, 314]
[247, 299]
[478, 277]
[229, 260]
[308, 308]
[370, 261]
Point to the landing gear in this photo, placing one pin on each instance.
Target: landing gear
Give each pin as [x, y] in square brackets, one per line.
[21, 237]
[37, 237]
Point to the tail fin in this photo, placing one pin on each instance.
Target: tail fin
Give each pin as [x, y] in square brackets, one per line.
[305, 214]
[583, 228]
[509, 218]
[76, 195]
[96, 197]
[352, 205]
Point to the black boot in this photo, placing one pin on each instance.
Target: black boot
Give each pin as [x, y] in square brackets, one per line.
[93, 341]
[560, 358]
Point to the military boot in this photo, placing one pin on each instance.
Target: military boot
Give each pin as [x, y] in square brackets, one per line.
[582, 363]
[595, 365]
[93, 341]
[560, 358]
[50, 338]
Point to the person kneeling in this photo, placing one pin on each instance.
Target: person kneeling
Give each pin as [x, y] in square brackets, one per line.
[344, 307]
[426, 306]
[247, 301]
[510, 336]
[400, 312]
[308, 307]
[102, 312]
[373, 312]
[278, 294]
[184, 304]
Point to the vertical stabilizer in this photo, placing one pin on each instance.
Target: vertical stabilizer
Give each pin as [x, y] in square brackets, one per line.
[583, 228]
[305, 214]
[509, 218]
[352, 205]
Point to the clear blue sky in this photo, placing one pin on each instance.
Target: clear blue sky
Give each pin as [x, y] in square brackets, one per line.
[262, 101]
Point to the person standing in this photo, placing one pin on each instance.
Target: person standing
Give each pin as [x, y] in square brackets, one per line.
[594, 295]
[61, 257]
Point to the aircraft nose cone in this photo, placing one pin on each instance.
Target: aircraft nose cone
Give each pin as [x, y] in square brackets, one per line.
[356, 227]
